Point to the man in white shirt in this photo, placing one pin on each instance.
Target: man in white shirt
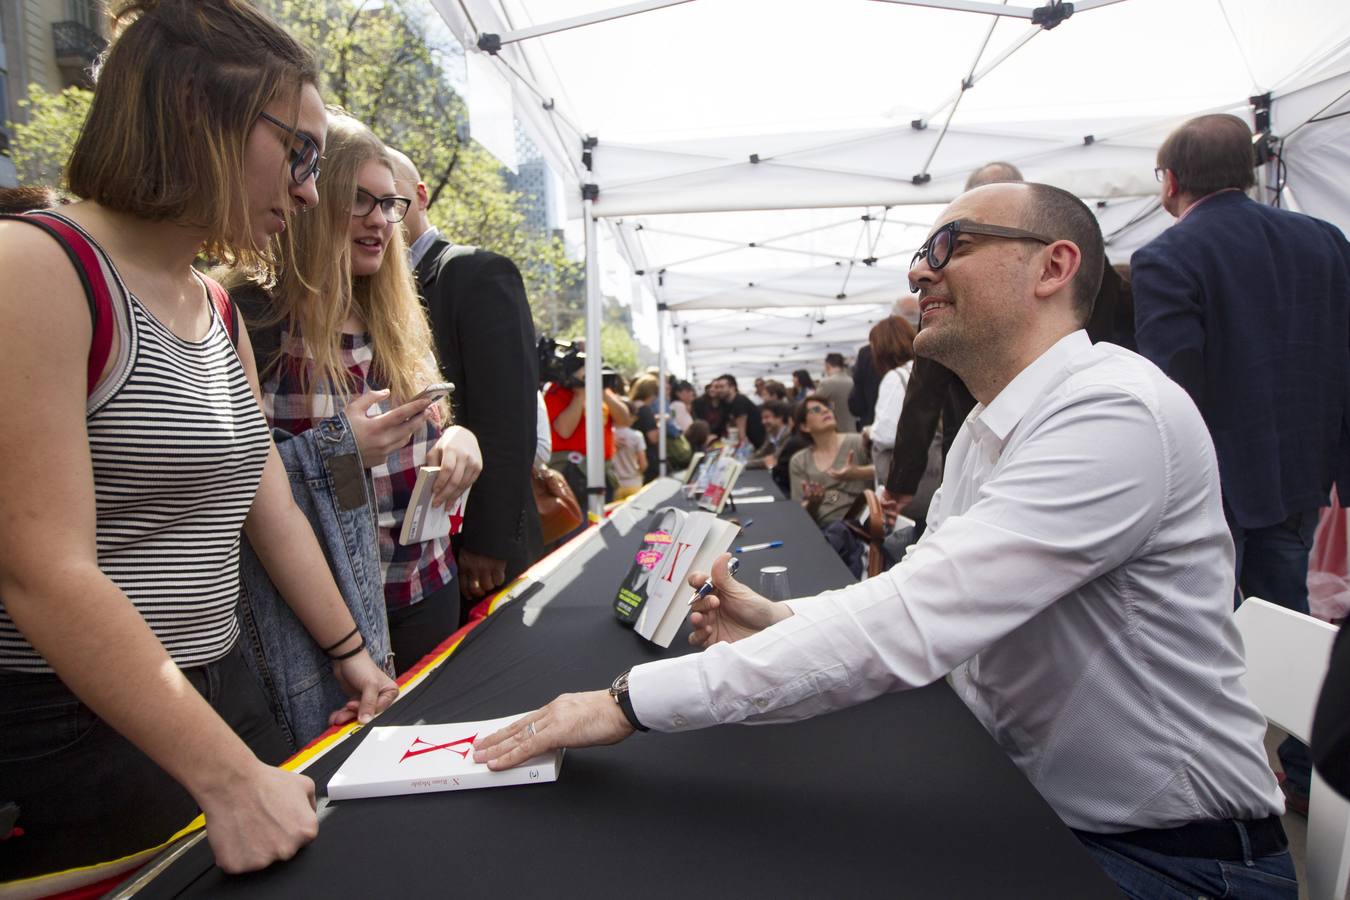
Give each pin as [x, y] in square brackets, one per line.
[1075, 580]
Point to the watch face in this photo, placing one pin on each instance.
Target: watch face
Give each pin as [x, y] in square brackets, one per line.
[620, 685]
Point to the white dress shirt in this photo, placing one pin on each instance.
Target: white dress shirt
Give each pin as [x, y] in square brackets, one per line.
[890, 400]
[1077, 574]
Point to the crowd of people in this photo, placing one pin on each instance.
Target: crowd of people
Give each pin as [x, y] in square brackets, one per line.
[204, 565]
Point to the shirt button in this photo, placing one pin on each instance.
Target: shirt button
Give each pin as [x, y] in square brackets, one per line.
[762, 702]
[679, 721]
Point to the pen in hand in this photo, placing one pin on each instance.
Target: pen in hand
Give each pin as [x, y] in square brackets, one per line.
[732, 565]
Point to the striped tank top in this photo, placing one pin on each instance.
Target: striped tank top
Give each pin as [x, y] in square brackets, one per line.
[178, 446]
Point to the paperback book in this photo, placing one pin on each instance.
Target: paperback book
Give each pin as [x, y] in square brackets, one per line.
[419, 759]
[654, 598]
[721, 479]
[424, 522]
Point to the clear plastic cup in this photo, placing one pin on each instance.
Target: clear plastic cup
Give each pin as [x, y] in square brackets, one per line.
[773, 583]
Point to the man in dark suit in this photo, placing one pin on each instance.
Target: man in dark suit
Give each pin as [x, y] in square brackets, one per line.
[486, 345]
[1248, 308]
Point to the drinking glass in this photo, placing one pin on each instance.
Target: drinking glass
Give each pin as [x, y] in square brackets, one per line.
[773, 583]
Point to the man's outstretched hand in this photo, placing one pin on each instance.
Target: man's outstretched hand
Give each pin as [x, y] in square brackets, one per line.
[732, 611]
[571, 720]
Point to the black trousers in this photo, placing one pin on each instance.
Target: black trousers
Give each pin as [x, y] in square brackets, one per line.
[414, 631]
[85, 793]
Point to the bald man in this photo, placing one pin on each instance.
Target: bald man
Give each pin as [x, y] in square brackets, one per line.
[1076, 581]
[486, 345]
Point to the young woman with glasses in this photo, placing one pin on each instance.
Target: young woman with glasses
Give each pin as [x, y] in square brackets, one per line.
[125, 703]
[830, 473]
[353, 336]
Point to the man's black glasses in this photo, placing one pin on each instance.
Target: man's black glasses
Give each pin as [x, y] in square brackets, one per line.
[305, 161]
[393, 207]
[939, 246]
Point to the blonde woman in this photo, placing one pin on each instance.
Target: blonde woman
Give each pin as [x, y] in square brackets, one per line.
[125, 701]
[353, 335]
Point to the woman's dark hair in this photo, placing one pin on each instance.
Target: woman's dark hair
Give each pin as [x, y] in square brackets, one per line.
[26, 198]
[892, 343]
[801, 379]
[799, 414]
[697, 434]
[180, 89]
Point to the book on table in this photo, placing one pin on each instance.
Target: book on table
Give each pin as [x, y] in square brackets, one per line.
[418, 759]
[655, 595]
[424, 522]
[721, 479]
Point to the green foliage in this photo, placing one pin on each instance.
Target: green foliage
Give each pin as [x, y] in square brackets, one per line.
[380, 65]
[42, 145]
[618, 348]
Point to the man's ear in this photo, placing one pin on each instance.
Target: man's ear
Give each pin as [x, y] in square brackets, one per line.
[1060, 262]
[422, 199]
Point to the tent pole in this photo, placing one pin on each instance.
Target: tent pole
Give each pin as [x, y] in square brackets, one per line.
[661, 316]
[606, 15]
[595, 441]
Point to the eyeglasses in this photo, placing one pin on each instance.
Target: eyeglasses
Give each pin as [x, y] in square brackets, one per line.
[1158, 173]
[938, 248]
[393, 207]
[817, 409]
[305, 161]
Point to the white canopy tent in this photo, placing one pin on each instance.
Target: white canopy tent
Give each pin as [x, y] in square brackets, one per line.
[765, 247]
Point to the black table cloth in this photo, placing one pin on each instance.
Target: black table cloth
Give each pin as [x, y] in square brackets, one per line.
[904, 796]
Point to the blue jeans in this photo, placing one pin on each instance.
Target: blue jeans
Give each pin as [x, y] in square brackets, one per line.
[1272, 563]
[1145, 875]
[329, 485]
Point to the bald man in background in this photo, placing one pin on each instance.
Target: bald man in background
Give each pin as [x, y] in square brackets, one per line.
[485, 343]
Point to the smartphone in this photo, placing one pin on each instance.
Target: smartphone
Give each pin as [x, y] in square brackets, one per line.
[435, 391]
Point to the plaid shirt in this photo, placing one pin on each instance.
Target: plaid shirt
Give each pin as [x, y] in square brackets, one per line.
[412, 572]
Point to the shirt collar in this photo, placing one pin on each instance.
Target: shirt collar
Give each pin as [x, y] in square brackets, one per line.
[1187, 211]
[1003, 413]
[421, 245]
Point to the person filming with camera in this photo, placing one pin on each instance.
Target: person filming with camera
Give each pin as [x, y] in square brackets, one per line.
[565, 398]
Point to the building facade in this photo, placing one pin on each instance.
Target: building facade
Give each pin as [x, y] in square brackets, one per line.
[50, 43]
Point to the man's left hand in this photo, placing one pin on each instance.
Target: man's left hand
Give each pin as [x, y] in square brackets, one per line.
[571, 720]
[479, 575]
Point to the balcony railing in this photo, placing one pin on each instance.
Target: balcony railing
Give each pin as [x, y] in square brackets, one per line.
[77, 46]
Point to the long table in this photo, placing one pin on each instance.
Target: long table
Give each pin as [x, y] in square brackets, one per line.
[904, 796]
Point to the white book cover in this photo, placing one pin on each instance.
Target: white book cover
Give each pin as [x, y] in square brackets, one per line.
[424, 522]
[703, 538]
[418, 759]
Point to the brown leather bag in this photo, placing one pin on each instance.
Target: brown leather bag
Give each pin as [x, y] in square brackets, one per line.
[559, 512]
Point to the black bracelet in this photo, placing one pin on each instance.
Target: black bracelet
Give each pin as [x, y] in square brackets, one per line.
[350, 653]
[342, 640]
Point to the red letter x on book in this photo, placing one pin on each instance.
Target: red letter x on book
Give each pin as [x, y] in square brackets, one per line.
[675, 560]
[414, 750]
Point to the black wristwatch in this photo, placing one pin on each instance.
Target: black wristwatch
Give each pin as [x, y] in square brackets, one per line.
[619, 691]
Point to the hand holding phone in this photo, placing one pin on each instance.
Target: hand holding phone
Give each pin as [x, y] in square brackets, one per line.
[434, 392]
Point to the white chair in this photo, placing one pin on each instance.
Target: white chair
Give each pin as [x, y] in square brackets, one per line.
[1287, 657]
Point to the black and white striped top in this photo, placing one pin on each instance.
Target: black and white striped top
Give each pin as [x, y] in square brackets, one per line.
[178, 446]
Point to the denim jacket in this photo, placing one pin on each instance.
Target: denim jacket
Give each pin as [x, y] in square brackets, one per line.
[330, 487]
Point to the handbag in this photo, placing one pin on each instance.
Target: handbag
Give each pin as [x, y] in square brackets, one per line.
[559, 511]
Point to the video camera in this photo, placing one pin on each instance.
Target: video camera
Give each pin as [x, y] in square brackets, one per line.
[559, 362]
